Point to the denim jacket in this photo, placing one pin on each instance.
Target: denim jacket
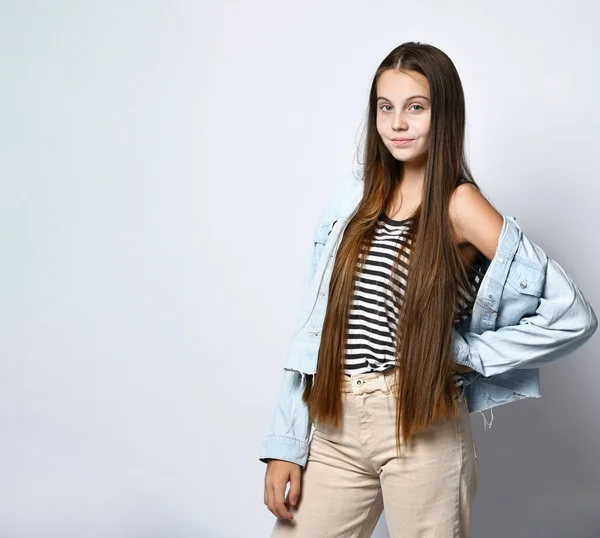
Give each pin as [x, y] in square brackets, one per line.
[534, 314]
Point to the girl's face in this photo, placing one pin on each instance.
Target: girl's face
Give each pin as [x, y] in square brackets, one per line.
[404, 111]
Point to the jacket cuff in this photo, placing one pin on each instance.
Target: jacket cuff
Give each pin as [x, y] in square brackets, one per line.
[280, 447]
[465, 354]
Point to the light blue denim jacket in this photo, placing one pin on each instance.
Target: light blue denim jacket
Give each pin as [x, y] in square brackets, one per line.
[535, 315]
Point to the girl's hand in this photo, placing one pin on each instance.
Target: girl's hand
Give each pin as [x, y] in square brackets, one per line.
[277, 475]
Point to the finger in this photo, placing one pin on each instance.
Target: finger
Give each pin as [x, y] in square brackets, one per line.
[270, 499]
[294, 493]
[281, 508]
[271, 502]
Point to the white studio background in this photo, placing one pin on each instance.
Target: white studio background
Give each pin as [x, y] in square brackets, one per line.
[163, 166]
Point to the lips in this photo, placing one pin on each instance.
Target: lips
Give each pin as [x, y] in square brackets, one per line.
[401, 141]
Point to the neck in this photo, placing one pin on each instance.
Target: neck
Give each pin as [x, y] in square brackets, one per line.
[411, 180]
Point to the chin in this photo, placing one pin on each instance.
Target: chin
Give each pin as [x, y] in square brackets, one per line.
[404, 155]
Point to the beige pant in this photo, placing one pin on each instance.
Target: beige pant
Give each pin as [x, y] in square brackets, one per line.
[353, 473]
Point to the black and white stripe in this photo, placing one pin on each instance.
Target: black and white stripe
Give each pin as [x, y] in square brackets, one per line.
[374, 312]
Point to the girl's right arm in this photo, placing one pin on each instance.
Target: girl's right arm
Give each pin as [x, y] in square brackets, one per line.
[285, 448]
[289, 433]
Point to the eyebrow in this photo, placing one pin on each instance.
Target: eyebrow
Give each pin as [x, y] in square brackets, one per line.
[407, 99]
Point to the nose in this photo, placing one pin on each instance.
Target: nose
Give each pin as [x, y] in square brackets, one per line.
[398, 121]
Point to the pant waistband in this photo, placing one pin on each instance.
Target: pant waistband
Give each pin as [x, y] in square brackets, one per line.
[383, 381]
[369, 382]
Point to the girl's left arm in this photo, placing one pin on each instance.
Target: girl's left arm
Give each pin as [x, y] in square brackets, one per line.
[563, 319]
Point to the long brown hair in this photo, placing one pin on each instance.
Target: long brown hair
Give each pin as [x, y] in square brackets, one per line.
[425, 391]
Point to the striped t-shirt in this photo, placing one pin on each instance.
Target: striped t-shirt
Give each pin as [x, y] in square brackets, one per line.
[374, 312]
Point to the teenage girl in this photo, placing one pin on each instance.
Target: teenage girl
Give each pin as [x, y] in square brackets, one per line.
[392, 425]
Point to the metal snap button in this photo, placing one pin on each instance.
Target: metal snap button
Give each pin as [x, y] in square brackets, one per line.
[524, 284]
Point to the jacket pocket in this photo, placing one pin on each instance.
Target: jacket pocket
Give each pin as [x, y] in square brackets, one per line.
[320, 239]
[526, 279]
[521, 293]
[322, 234]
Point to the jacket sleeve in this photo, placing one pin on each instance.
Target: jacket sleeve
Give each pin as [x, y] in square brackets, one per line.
[288, 437]
[289, 433]
[563, 321]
